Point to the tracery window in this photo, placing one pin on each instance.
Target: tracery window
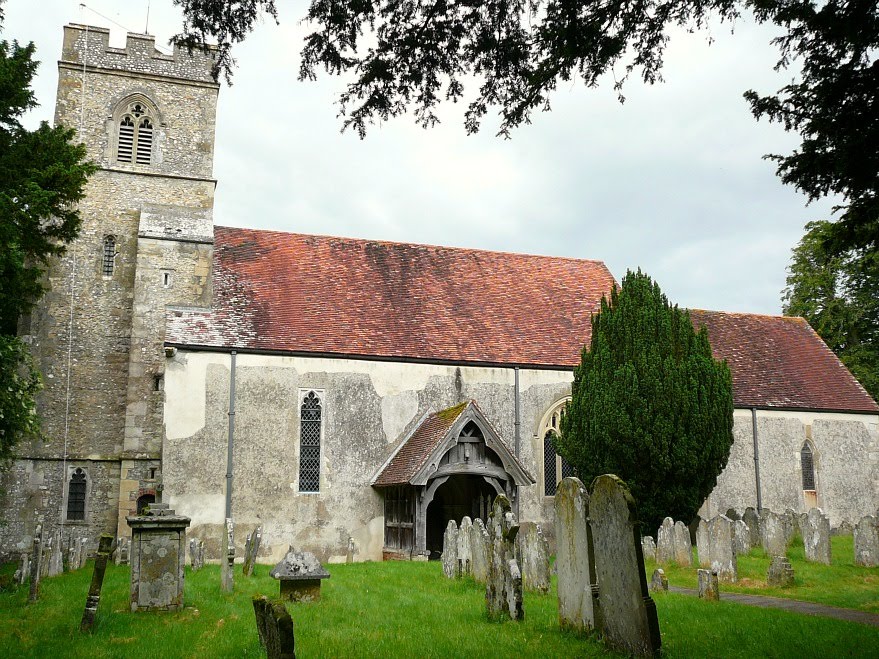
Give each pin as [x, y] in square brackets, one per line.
[807, 464]
[109, 258]
[76, 489]
[309, 443]
[135, 137]
[555, 467]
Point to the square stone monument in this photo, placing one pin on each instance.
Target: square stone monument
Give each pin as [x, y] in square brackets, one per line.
[300, 574]
[158, 554]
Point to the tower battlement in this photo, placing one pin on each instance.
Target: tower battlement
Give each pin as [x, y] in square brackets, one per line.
[90, 45]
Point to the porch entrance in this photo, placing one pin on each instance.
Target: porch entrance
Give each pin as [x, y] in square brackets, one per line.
[461, 495]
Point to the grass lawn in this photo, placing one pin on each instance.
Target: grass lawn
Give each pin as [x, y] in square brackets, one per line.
[841, 584]
[393, 609]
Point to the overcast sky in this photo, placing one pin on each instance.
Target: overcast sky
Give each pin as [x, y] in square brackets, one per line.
[673, 181]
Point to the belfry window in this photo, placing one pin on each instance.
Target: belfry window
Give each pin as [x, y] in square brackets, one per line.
[134, 142]
[109, 258]
[309, 443]
[808, 466]
[76, 496]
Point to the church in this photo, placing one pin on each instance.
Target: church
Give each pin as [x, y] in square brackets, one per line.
[337, 391]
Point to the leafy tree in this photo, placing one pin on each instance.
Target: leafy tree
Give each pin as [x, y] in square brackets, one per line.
[838, 294]
[649, 403]
[418, 53]
[42, 176]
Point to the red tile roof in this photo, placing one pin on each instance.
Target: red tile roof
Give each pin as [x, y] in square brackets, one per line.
[315, 294]
[781, 362]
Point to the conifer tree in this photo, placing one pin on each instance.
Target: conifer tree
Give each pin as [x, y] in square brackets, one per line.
[649, 404]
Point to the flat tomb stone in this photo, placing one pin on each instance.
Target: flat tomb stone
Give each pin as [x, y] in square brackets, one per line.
[300, 574]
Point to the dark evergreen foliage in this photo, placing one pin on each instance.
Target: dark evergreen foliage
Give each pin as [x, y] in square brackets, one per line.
[649, 404]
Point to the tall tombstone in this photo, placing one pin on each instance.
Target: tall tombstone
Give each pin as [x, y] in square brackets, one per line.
[36, 567]
[56, 558]
[503, 592]
[46, 557]
[157, 560]
[866, 541]
[450, 550]
[123, 550]
[741, 537]
[683, 546]
[721, 549]
[196, 554]
[227, 561]
[816, 536]
[665, 542]
[703, 544]
[24, 569]
[648, 548]
[83, 551]
[274, 627]
[251, 550]
[574, 562]
[72, 549]
[479, 551]
[105, 546]
[352, 548]
[465, 558]
[772, 534]
[752, 519]
[628, 615]
[791, 522]
[534, 550]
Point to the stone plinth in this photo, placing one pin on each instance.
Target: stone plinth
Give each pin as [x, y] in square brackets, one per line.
[300, 574]
[158, 555]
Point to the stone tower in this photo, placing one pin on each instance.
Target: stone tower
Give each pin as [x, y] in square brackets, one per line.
[148, 120]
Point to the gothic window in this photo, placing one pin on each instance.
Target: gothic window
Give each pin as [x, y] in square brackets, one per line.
[309, 443]
[555, 467]
[76, 496]
[109, 258]
[134, 140]
[808, 465]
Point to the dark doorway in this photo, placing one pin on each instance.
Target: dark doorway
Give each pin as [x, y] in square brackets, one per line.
[458, 497]
[143, 501]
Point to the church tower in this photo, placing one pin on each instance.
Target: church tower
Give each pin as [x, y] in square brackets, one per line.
[146, 243]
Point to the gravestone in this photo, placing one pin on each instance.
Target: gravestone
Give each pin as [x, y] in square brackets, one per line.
[35, 567]
[158, 559]
[24, 568]
[275, 628]
[46, 558]
[72, 554]
[574, 562]
[450, 550]
[703, 550]
[772, 534]
[816, 536]
[56, 558]
[196, 554]
[732, 515]
[628, 615]
[227, 560]
[123, 551]
[465, 559]
[251, 549]
[665, 542]
[300, 574]
[503, 592]
[534, 552]
[83, 552]
[780, 572]
[659, 582]
[721, 549]
[105, 545]
[349, 555]
[791, 521]
[683, 546]
[709, 586]
[479, 552]
[741, 537]
[845, 528]
[866, 541]
[752, 519]
[648, 548]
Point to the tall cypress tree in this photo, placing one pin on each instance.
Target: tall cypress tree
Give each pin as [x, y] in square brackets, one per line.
[649, 404]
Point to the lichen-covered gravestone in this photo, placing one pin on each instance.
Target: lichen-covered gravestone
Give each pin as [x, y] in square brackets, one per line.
[866, 540]
[752, 519]
[503, 592]
[251, 549]
[123, 551]
[658, 582]
[628, 615]
[721, 549]
[465, 558]
[23, 571]
[709, 588]
[105, 545]
[534, 551]
[275, 628]
[574, 562]
[450, 550]
[158, 559]
[35, 567]
[56, 559]
[816, 536]
[479, 551]
[683, 546]
[227, 561]
[665, 542]
[648, 548]
[741, 537]
[772, 534]
[703, 544]
[196, 554]
[300, 574]
[780, 572]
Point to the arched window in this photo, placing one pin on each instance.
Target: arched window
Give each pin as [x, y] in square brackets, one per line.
[808, 466]
[134, 140]
[109, 258]
[555, 467]
[76, 488]
[309, 443]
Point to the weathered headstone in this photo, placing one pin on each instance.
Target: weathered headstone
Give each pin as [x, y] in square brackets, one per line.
[709, 587]
[658, 582]
[721, 549]
[574, 562]
[196, 554]
[465, 558]
[251, 549]
[56, 559]
[752, 519]
[46, 557]
[450, 550]
[866, 541]
[628, 615]
[24, 568]
[227, 561]
[275, 628]
[35, 567]
[791, 521]
[105, 545]
[780, 572]
[648, 548]
[158, 559]
[83, 552]
[72, 553]
[845, 528]
[741, 537]
[534, 552]
[703, 544]
[772, 534]
[683, 546]
[665, 542]
[816, 536]
[479, 551]
[352, 549]
[123, 550]
[732, 515]
[503, 592]
[300, 574]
